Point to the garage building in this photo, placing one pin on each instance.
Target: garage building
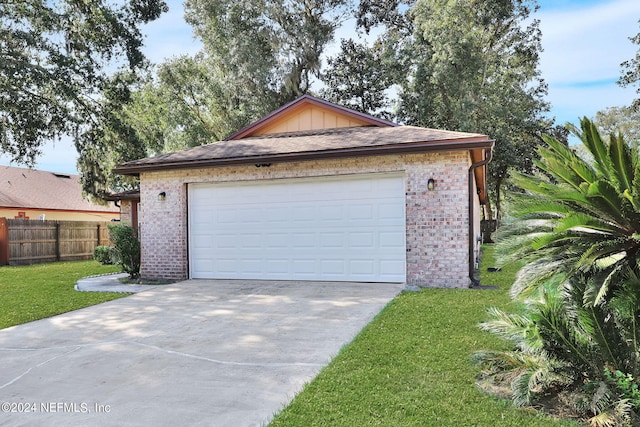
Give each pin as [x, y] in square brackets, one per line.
[315, 191]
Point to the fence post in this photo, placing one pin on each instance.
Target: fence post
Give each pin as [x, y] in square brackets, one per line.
[4, 242]
[98, 235]
[57, 241]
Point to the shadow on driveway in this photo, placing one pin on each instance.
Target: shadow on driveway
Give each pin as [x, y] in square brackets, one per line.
[199, 352]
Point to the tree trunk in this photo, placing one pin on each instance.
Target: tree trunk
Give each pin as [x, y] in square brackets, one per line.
[499, 182]
[487, 212]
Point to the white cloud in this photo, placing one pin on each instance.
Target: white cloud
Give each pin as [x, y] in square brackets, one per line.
[590, 43]
[583, 49]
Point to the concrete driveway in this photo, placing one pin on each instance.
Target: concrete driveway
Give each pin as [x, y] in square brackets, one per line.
[200, 352]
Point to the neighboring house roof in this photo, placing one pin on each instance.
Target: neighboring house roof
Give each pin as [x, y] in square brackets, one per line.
[22, 188]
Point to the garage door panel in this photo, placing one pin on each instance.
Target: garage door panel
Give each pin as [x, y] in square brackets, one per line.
[222, 241]
[350, 228]
[361, 267]
[391, 267]
[250, 240]
[361, 240]
[276, 240]
[359, 211]
[251, 265]
[391, 240]
[276, 214]
[303, 240]
[391, 211]
[330, 214]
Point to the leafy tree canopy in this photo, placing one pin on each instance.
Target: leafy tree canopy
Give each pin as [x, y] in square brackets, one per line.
[464, 65]
[623, 120]
[631, 71]
[477, 70]
[359, 77]
[256, 56]
[56, 63]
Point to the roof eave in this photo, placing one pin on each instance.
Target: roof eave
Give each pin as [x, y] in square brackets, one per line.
[378, 150]
[119, 197]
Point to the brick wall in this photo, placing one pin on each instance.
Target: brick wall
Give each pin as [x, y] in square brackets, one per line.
[437, 221]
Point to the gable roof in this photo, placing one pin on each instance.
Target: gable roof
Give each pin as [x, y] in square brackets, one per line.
[311, 128]
[325, 143]
[35, 189]
[312, 106]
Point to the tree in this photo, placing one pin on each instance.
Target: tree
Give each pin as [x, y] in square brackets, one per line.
[257, 55]
[625, 120]
[575, 227]
[475, 69]
[577, 217]
[265, 48]
[358, 77]
[631, 71]
[469, 66]
[394, 15]
[109, 140]
[56, 59]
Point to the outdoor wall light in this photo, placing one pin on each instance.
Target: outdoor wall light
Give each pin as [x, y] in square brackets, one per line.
[431, 184]
[162, 196]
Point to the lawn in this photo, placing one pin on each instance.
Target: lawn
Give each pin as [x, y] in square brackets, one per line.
[34, 292]
[411, 366]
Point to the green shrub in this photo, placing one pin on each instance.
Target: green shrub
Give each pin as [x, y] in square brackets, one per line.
[625, 384]
[105, 255]
[127, 247]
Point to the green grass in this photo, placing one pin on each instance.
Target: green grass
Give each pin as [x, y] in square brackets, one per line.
[34, 292]
[411, 366]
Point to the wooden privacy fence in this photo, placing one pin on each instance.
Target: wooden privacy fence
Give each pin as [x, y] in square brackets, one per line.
[24, 241]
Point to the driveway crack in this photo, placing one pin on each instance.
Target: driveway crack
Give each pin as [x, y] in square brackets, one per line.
[38, 366]
[228, 363]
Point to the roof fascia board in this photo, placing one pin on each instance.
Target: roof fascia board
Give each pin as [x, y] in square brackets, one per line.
[32, 208]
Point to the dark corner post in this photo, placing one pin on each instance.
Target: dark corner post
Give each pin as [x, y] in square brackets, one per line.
[57, 241]
[488, 154]
[4, 242]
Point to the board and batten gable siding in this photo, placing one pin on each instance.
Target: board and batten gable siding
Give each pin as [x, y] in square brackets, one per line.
[310, 118]
[437, 221]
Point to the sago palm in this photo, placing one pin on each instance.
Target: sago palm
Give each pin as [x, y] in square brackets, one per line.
[576, 227]
[576, 217]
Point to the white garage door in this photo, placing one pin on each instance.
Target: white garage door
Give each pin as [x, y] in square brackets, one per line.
[336, 229]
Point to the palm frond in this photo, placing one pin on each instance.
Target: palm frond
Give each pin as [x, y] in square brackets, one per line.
[593, 142]
[533, 275]
[622, 163]
[606, 198]
[515, 328]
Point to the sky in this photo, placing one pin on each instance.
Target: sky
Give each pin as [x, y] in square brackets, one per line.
[584, 42]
